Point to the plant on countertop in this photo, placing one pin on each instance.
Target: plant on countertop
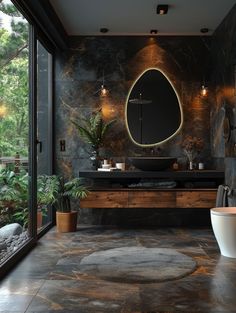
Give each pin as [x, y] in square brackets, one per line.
[93, 131]
[72, 189]
[192, 147]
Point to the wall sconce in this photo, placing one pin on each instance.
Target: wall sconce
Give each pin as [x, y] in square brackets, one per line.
[204, 90]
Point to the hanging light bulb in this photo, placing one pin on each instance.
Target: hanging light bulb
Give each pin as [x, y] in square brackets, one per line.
[204, 90]
[103, 90]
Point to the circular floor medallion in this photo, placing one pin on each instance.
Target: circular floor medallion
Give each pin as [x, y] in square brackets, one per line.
[138, 264]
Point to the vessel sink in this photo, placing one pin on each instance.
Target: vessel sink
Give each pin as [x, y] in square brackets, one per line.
[152, 163]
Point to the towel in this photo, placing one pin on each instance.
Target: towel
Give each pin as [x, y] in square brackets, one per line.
[154, 184]
[223, 194]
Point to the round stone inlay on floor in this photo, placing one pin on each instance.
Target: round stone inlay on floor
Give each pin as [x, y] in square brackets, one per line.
[138, 264]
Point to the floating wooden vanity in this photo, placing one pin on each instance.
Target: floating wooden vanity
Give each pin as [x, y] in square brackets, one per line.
[106, 194]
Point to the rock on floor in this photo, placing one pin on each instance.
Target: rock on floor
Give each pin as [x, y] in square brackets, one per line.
[11, 244]
[10, 230]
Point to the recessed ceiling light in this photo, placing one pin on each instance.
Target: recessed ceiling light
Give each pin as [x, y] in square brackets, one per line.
[153, 31]
[104, 30]
[162, 9]
[204, 30]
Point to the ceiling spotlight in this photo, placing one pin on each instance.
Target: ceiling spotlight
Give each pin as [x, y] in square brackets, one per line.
[153, 31]
[104, 30]
[204, 30]
[162, 9]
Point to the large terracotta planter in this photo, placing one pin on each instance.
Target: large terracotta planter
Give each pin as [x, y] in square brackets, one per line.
[66, 222]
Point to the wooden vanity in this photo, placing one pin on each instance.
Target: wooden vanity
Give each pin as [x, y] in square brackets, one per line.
[194, 189]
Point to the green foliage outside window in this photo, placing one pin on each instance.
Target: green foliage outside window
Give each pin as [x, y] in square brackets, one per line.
[14, 91]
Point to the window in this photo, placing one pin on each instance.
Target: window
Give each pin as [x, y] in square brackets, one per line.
[14, 130]
[25, 133]
[44, 131]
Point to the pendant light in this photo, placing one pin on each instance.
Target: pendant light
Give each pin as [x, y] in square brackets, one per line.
[204, 90]
[103, 91]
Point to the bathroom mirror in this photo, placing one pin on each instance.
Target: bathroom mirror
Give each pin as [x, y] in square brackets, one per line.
[153, 110]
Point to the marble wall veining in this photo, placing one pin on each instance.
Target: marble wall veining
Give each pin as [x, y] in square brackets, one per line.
[120, 60]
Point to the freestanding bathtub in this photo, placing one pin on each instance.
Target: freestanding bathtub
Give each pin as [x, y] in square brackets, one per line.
[223, 222]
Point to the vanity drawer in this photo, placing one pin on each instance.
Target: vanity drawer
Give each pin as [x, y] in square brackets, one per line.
[105, 199]
[151, 199]
[196, 199]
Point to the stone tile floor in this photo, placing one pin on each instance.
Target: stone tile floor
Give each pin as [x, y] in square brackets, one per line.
[49, 278]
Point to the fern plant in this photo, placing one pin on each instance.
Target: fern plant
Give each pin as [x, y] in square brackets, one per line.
[13, 188]
[93, 130]
[13, 197]
[47, 189]
[72, 189]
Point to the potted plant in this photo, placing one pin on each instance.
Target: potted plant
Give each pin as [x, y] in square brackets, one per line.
[65, 218]
[93, 131]
[47, 189]
[192, 147]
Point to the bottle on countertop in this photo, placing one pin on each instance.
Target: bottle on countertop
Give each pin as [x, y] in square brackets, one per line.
[201, 166]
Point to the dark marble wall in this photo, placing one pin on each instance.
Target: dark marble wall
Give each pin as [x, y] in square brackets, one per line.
[79, 74]
[223, 79]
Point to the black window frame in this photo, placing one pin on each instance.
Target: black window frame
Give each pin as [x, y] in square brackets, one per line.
[34, 34]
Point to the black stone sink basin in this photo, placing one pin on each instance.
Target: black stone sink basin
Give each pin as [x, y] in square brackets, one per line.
[152, 163]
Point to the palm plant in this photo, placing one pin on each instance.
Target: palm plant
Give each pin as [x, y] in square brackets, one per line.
[72, 189]
[93, 131]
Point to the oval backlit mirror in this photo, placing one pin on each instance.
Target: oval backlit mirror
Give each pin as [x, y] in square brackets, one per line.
[153, 110]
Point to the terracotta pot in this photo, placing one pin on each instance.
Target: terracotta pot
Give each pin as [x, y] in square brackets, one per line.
[66, 222]
[39, 219]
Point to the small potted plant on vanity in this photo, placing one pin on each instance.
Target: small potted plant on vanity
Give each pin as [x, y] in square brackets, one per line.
[93, 130]
[192, 147]
[66, 219]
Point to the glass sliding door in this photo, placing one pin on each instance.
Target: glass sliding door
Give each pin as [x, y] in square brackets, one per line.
[44, 133]
[14, 131]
